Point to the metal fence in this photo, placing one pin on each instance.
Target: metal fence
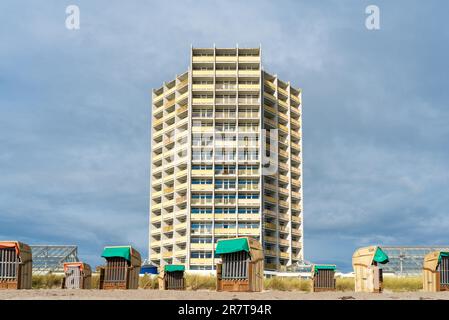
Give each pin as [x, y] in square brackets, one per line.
[174, 280]
[443, 268]
[116, 269]
[235, 265]
[9, 264]
[73, 278]
[324, 279]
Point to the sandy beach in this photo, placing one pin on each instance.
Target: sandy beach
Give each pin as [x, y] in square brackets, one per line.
[141, 294]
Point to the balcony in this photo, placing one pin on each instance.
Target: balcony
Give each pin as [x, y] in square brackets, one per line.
[283, 191]
[283, 153]
[225, 216]
[296, 244]
[249, 59]
[270, 226]
[167, 254]
[284, 242]
[155, 256]
[283, 166]
[296, 232]
[203, 231]
[270, 97]
[226, 58]
[168, 190]
[167, 228]
[180, 253]
[181, 213]
[201, 216]
[203, 87]
[203, 58]
[283, 104]
[226, 73]
[248, 202]
[270, 239]
[201, 201]
[249, 87]
[181, 199]
[283, 203]
[270, 213]
[296, 158]
[180, 226]
[225, 231]
[283, 116]
[248, 172]
[180, 240]
[248, 232]
[271, 122]
[272, 253]
[156, 206]
[283, 178]
[248, 187]
[296, 195]
[201, 246]
[203, 129]
[283, 217]
[155, 243]
[248, 216]
[249, 73]
[156, 219]
[156, 194]
[202, 101]
[296, 207]
[283, 128]
[181, 110]
[168, 203]
[295, 98]
[158, 98]
[270, 266]
[225, 202]
[203, 73]
[284, 255]
[270, 199]
[296, 219]
[201, 261]
[202, 187]
[296, 134]
[270, 186]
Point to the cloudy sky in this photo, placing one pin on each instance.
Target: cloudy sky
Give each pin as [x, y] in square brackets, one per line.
[75, 115]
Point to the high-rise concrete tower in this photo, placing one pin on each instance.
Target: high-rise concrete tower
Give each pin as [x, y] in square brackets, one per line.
[226, 161]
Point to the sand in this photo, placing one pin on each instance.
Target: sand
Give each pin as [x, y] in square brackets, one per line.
[141, 294]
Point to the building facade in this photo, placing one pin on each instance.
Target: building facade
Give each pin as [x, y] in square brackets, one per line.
[226, 161]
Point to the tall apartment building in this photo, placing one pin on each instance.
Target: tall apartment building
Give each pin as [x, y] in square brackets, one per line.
[207, 143]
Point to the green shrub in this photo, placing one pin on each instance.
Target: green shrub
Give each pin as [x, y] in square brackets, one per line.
[403, 284]
[196, 282]
[287, 284]
[148, 282]
[345, 284]
[48, 281]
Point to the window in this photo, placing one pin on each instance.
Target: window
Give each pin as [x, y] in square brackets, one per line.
[201, 167]
[202, 155]
[225, 225]
[248, 196]
[201, 181]
[201, 254]
[224, 184]
[248, 225]
[248, 211]
[201, 211]
[225, 211]
[201, 240]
